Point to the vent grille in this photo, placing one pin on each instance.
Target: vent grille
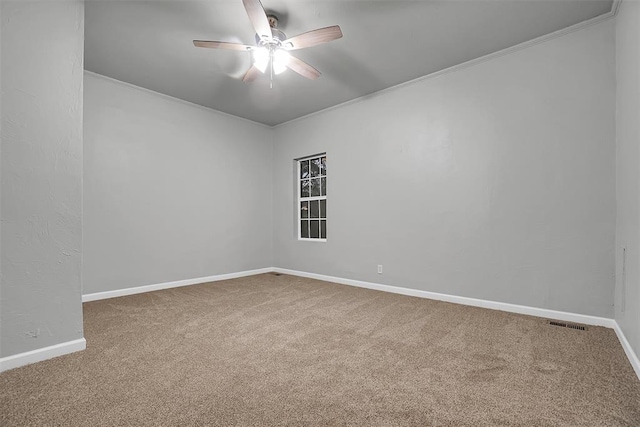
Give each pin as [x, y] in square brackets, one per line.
[568, 325]
[273, 273]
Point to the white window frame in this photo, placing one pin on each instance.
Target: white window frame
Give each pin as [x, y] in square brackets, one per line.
[300, 199]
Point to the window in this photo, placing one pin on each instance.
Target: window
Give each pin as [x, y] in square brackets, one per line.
[312, 198]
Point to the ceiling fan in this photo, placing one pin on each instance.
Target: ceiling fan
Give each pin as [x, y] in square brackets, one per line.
[272, 45]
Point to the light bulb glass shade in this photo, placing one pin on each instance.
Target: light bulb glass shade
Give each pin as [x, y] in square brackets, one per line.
[280, 61]
[261, 58]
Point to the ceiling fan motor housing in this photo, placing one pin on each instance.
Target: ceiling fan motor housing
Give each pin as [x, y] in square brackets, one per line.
[278, 36]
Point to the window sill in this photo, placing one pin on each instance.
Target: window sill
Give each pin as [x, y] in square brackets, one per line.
[311, 240]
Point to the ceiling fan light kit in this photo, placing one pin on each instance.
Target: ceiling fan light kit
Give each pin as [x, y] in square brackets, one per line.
[271, 51]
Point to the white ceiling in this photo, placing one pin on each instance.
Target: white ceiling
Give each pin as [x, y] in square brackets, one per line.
[149, 44]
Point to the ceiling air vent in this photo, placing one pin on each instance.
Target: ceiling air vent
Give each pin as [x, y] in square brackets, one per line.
[568, 325]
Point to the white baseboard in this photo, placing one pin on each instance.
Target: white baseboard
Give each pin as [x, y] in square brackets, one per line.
[175, 284]
[33, 356]
[502, 306]
[631, 355]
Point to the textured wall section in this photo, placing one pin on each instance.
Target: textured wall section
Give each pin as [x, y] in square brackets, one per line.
[1, 96]
[41, 187]
[628, 171]
[495, 181]
[172, 191]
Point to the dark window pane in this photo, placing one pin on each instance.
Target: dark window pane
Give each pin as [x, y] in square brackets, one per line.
[313, 209]
[304, 169]
[315, 167]
[304, 210]
[323, 185]
[304, 188]
[304, 229]
[315, 187]
[323, 208]
[323, 166]
[323, 229]
[315, 230]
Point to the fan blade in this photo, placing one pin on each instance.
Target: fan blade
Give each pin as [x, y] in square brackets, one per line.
[302, 68]
[222, 45]
[313, 38]
[258, 18]
[251, 74]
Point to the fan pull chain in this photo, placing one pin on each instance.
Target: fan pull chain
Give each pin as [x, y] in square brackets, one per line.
[271, 69]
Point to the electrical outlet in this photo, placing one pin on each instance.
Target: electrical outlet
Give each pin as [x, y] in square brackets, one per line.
[379, 268]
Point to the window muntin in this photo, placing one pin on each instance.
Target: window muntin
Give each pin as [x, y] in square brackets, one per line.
[312, 198]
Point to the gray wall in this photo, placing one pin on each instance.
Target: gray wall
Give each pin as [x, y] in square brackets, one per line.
[1, 137]
[628, 171]
[495, 181]
[41, 185]
[172, 191]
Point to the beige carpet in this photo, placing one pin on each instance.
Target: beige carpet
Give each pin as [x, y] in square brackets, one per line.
[269, 350]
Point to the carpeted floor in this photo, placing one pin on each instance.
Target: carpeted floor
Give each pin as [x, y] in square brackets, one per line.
[282, 350]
